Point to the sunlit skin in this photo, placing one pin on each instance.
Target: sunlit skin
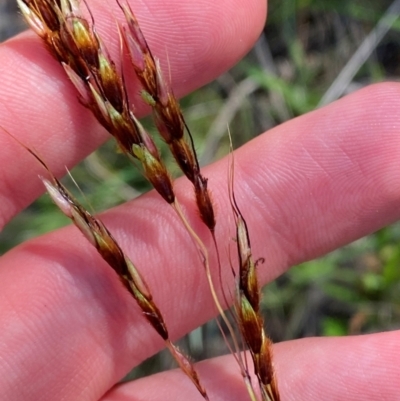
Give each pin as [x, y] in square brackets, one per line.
[71, 331]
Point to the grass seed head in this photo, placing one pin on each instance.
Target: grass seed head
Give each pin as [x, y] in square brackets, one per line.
[155, 172]
[33, 18]
[80, 40]
[204, 202]
[111, 82]
[251, 324]
[248, 282]
[186, 366]
[184, 157]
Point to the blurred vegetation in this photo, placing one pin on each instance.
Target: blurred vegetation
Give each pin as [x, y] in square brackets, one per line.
[304, 47]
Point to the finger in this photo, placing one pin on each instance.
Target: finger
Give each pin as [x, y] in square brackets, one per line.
[313, 369]
[39, 104]
[305, 188]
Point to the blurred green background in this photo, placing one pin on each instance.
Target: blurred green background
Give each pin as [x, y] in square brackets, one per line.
[310, 53]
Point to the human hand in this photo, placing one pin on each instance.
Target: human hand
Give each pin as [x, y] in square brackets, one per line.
[70, 331]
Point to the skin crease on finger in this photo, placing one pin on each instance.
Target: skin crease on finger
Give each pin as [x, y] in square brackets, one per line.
[313, 369]
[196, 42]
[306, 187]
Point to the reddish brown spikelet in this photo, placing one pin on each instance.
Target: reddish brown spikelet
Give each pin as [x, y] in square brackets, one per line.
[185, 159]
[79, 39]
[168, 113]
[155, 172]
[42, 16]
[204, 202]
[248, 274]
[142, 60]
[251, 324]
[187, 367]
